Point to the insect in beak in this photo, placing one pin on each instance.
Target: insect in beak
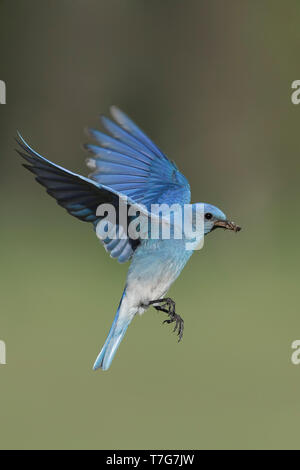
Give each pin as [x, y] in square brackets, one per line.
[227, 225]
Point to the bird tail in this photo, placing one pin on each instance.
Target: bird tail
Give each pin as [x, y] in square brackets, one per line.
[114, 338]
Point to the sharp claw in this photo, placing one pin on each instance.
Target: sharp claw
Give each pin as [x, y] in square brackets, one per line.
[179, 325]
[180, 333]
[169, 307]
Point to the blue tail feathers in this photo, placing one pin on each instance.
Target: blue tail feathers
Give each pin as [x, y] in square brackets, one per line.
[113, 340]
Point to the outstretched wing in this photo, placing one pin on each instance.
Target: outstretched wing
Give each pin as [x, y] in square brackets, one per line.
[80, 196]
[130, 163]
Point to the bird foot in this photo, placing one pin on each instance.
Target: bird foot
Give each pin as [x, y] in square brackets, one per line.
[168, 306]
[179, 324]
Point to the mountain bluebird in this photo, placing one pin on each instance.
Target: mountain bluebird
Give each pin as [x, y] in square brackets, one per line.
[129, 171]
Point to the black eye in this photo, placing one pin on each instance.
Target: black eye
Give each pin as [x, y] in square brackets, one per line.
[208, 215]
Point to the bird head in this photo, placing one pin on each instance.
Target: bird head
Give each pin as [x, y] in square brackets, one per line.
[215, 218]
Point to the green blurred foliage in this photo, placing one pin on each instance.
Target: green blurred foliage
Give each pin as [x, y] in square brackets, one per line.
[210, 83]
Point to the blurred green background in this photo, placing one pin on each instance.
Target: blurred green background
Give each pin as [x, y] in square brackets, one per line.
[210, 82]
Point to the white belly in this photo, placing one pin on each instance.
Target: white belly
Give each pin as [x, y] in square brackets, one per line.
[153, 269]
[139, 293]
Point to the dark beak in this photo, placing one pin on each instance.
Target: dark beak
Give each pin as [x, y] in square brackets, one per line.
[227, 225]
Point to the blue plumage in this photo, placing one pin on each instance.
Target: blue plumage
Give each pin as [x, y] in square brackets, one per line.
[135, 167]
[114, 337]
[128, 170]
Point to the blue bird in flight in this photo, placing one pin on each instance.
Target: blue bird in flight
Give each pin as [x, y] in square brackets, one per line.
[128, 169]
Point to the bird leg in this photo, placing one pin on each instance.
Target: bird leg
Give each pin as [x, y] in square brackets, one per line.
[168, 306]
